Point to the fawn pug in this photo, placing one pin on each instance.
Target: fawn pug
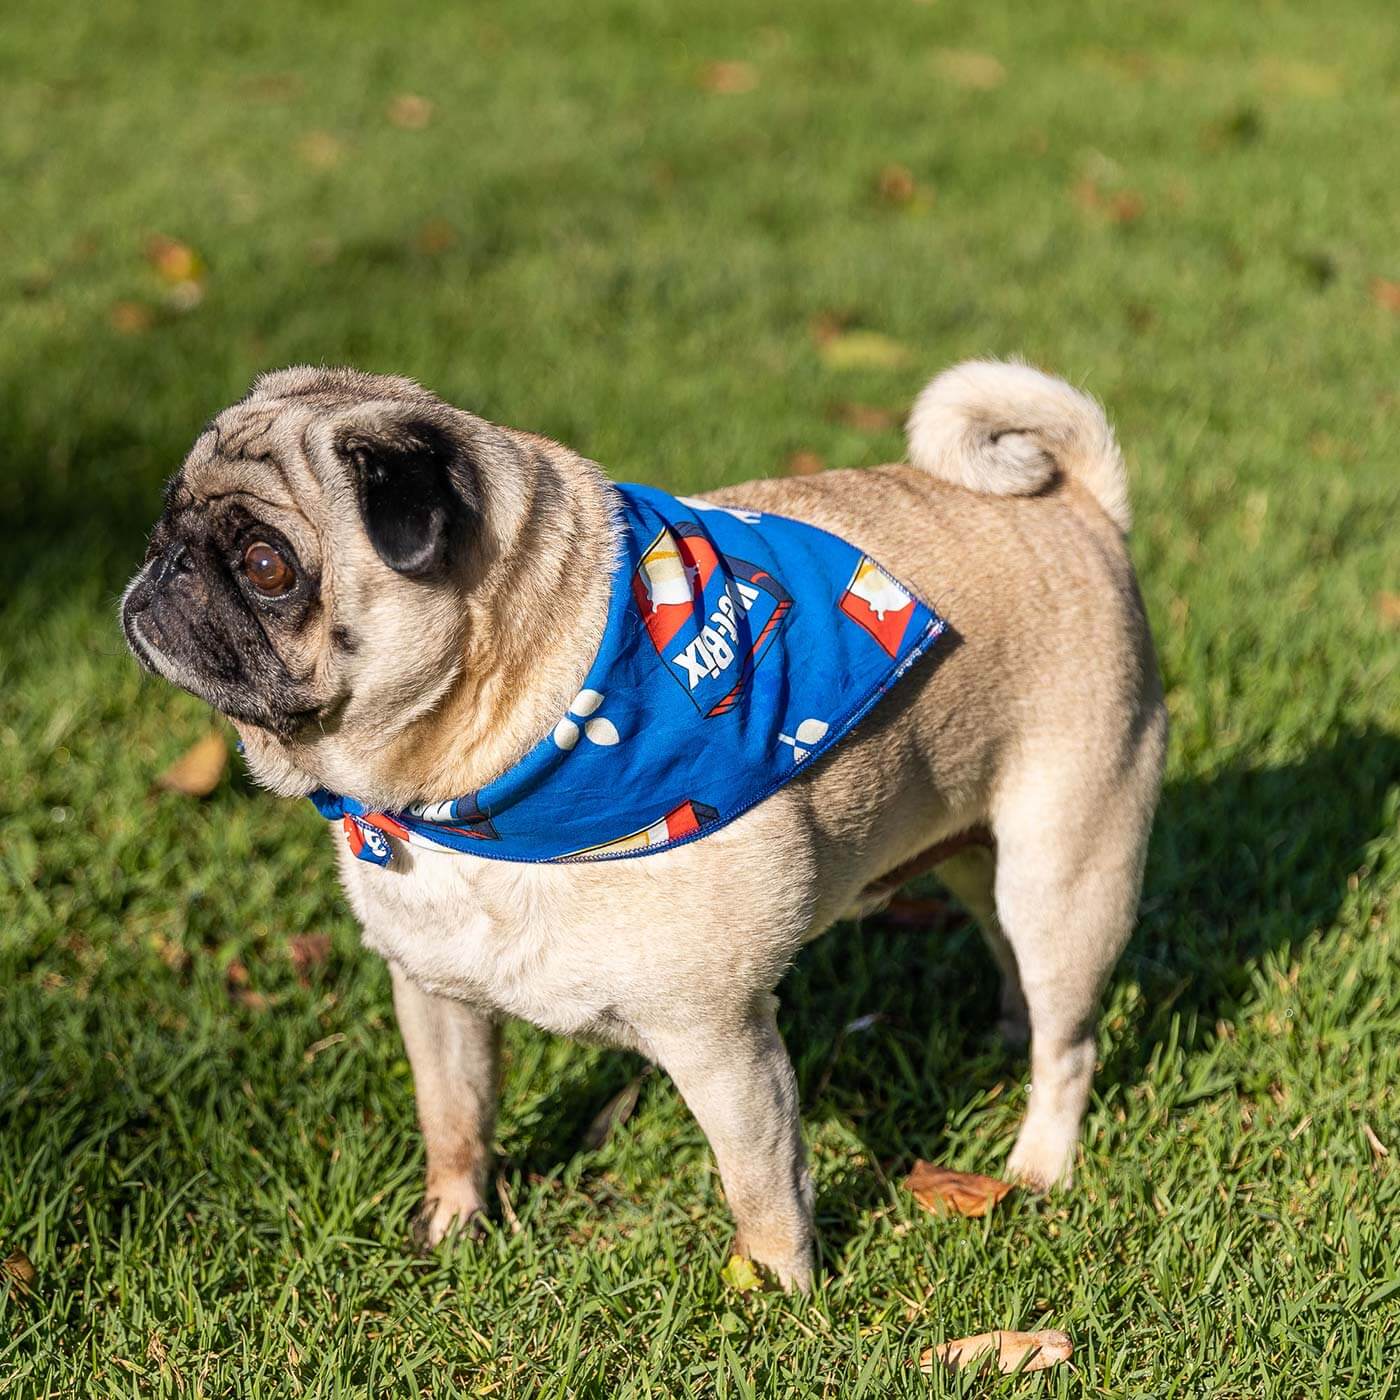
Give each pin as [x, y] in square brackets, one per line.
[399, 602]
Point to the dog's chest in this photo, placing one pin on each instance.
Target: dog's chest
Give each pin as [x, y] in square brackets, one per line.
[513, 939]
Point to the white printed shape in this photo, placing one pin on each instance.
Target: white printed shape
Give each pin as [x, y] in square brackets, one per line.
[585, 702]
[810, 732]
[601, 731]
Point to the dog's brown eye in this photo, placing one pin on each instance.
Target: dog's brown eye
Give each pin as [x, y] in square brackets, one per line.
[267, 570]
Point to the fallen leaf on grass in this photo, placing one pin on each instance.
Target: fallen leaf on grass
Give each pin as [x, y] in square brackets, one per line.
[1386, 294]
[19, 1271]
[197, 771]
[1388, 608]
[410, 112]
[436, 236]
[1117, 206]
[803, 464]
[309, 951]
[727, 77]
[507, 1209]
[1026, 1351]
[325, 1043]
[958, 1193]
[862, 350]
[979, 72]
[1378, 1148]
[236, 978]
[180, 268]
[741, 1275]
[895, 184]
[131, 317]
[173, 261]
[613, 1114]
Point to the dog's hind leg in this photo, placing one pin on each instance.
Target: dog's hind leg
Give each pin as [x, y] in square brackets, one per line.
[1068, 876]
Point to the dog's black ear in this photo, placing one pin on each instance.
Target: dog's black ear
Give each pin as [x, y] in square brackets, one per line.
[409, 501]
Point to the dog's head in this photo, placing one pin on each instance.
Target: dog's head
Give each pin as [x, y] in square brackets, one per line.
[314, 568]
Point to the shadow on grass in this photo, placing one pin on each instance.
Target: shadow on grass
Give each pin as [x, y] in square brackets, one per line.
[1244, 862]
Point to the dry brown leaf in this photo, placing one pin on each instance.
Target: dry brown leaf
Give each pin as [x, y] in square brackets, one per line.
[309, 951]
[863, 350]
[173, 261]
[803, 464]
[1028, 1351]
[507, 1209]
[436, 236]
[131, 317]
[1385, 293]
[1388, 608]
[197, 771]
[728, 76]
[410, 112]
[827, 325]
[895, 184]
[1117, 206]
[979, 72]
[1378, 1148]
[868, 417]
[236, 978]
[613, 1114]
[958, 1193]
[17, 1268]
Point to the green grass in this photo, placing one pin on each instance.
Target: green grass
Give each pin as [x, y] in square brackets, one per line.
[1185, 208]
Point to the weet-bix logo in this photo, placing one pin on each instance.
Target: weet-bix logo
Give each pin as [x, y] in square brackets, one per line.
[711, 617]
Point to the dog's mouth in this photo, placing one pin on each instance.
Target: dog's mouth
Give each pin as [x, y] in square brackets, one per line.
[234, 697]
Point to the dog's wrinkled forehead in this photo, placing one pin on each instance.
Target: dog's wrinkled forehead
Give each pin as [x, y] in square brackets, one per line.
[265, 443]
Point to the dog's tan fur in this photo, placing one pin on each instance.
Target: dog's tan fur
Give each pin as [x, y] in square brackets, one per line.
[1040, 717]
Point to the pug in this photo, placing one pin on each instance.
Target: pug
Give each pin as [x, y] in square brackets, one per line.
[395, 600]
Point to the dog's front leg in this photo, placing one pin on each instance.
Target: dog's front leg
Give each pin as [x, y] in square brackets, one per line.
[454, 1051]
[736, 1077]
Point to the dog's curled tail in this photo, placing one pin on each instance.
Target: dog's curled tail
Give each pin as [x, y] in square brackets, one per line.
[1009, 430]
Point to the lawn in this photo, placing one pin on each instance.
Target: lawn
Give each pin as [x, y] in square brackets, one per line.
[694, 240]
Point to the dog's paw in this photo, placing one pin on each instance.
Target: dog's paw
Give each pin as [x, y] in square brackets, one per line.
[459, 1214]
[791, 1268]
[1042, 1161]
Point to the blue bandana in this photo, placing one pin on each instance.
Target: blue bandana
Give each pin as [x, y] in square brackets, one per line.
[739, 647]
